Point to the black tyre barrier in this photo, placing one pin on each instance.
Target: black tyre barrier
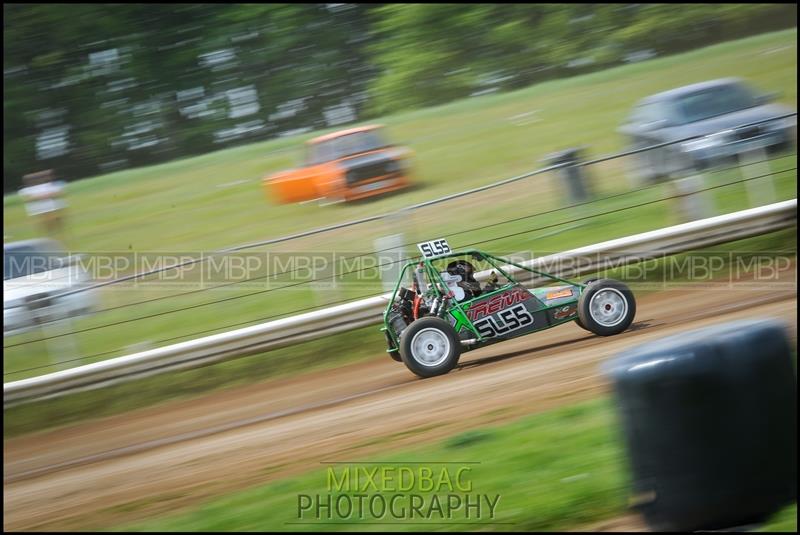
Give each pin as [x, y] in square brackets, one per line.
[710, 424]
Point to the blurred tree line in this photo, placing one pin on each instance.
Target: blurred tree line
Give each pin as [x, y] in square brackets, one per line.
[91, 88]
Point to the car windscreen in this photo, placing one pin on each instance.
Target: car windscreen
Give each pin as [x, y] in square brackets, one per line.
[346, 145]
[712, 102]
[29, 260]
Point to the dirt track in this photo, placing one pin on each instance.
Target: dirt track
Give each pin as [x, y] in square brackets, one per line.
[159, 459]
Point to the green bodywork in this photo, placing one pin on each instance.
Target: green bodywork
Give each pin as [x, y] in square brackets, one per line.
[541, 303]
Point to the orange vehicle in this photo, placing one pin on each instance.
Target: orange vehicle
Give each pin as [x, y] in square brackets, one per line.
[343, 166]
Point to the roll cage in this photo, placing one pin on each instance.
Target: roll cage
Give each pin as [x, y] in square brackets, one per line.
[438, 288]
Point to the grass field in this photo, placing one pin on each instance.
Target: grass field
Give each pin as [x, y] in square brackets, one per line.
[205, 203]
[554, 471]
[215, 200]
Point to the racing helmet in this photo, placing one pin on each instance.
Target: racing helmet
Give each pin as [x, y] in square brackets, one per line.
[463, 268]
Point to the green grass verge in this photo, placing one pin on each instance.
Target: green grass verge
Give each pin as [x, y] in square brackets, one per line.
[310, 356]
[553, 471]
[783, 521]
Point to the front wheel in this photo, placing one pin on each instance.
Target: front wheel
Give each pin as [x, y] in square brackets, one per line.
[606, 307]
[430, 347]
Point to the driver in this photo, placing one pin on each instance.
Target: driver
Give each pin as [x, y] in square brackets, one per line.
[471, 287]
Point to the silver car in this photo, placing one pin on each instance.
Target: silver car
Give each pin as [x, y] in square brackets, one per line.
[35, 272]
[724, 118]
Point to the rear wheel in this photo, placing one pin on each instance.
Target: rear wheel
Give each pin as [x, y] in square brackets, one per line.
[606, 307]
[429, 347]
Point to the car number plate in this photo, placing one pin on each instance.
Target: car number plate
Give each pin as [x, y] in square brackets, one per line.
[429, 249]
[374, 185]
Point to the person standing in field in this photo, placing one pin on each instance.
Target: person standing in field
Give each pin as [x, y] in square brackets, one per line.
[44, 201]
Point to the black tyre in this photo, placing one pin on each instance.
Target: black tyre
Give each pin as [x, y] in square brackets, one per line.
[702, 454]
[607, 307]
[577, 318]
[430, 347]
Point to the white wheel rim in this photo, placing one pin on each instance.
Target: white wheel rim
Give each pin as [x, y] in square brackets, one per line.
[430, 347]
[608, 307]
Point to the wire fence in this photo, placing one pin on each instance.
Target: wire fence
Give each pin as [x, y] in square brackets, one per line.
[389, 249]
[339, 226]
[397, 261]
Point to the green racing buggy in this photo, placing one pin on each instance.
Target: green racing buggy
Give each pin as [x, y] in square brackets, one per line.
[440, 308]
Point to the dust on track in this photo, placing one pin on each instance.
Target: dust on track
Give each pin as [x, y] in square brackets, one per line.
[156, 460]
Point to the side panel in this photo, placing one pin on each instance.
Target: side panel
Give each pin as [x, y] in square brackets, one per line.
[502, 314]
[515, 311]
[561, 302]
[302, 184]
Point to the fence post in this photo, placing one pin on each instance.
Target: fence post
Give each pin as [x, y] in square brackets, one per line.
[760, 191]
[390, 249]
[573, 177]
[60, 348]
[692, 203]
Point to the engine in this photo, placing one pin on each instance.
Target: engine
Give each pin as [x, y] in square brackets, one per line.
[402, 312]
